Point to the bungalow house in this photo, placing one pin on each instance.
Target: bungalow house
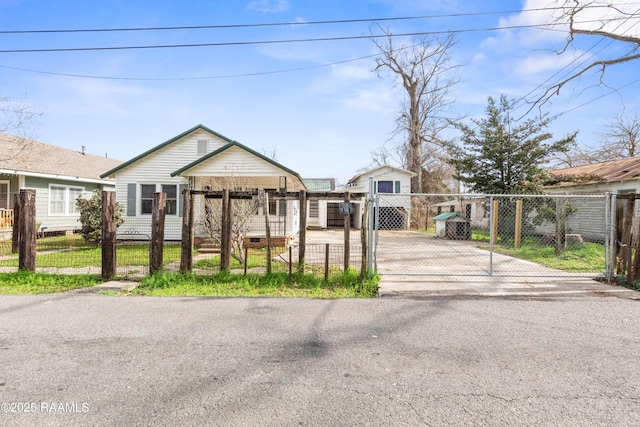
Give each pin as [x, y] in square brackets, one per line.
[58, 175]
[615, 177]
[202, 159]
[394, 212]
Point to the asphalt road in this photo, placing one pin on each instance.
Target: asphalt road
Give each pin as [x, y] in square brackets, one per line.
[89, 359]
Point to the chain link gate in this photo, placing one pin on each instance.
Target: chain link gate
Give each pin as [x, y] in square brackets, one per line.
[495, 235]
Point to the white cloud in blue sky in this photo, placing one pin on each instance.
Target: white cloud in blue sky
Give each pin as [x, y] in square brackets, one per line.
[325, 111]
[269, 6]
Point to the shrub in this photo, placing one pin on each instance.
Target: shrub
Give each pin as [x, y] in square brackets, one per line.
[91, 216]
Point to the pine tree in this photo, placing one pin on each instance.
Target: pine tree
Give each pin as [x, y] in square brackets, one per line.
[497, 156]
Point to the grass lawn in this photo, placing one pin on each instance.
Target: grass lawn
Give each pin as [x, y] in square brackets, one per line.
[342, 285]
[39, 283]
[73, 252]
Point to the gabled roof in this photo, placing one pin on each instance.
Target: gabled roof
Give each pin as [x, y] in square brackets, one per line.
[377, 169]
[23, 156]
[613, 171]
[242, 147]
[164, 144]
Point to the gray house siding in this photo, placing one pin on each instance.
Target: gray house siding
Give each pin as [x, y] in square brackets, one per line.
[45, 215]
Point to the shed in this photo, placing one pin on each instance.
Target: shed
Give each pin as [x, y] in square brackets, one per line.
[452, 225]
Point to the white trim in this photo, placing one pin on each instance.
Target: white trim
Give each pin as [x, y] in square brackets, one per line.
[158, 188]
[3, 181]
[66, 200]
[56, 176]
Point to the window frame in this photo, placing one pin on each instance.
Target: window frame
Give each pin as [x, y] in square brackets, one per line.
[158, 188]
[67, 205]
[8, 199]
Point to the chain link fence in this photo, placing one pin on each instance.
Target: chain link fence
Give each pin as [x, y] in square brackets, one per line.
[514, 235]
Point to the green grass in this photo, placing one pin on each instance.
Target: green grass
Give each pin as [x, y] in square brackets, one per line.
[587, 258]
[72, 256]
[255, 258]
[343, 285]
[39, 283]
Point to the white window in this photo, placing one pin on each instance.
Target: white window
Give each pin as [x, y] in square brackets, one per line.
[146, 198]
[62, 199]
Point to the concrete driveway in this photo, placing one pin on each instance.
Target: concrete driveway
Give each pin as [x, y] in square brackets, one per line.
[415, 264]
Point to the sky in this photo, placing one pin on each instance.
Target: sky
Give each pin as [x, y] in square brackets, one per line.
[318, 104]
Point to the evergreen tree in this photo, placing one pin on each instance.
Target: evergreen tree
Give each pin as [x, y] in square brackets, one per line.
[497, 156]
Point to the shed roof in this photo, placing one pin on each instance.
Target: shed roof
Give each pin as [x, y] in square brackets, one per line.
[449, 215]
[24, 157]
[376, 170]
[612, 171]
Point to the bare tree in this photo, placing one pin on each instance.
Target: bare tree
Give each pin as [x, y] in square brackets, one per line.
[17, 121]
[612, 19]
[244, 211]
[620, 140]
[426, 72]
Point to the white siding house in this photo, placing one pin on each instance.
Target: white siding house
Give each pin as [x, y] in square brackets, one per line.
[395, 209]
[615, 177]
[58, 175]
[200, 159]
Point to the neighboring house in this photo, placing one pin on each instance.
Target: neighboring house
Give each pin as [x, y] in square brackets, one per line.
[201, 159]
[395, 212]
[58, 175]
[615, 177]
[317, 208]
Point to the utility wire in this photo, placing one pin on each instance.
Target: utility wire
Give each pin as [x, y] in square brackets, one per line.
[295, 23]
[263, 42]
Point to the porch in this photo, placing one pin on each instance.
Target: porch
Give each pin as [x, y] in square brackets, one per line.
[6, 218]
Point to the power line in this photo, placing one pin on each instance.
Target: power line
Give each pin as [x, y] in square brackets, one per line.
[258, 73]
[263, 42]
[295, 23]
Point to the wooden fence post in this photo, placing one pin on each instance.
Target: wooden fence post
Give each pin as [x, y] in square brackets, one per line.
[626, 237]
[326, 262]
[186, 250]
[15, 238]
[225, 249]
[108, 234]
[347, 231]
[364, 227]
[27, 230]
[302, 243]
[158, 211]
[625, 248]
[518, 227]
[267, 231]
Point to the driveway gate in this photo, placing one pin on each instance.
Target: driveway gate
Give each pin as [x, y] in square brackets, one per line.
[479, 235]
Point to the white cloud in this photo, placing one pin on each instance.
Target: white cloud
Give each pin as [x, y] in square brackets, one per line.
[269, 6]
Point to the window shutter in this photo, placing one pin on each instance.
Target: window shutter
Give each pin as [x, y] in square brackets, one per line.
[131, 199]
[375, 187]
[181, 188]
[283, 208]
[397, 190]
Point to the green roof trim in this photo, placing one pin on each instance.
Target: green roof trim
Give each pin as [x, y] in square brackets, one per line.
[447, 215]
[164, 144]
[242, 147]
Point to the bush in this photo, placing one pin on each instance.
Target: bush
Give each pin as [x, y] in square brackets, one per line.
[91, 216]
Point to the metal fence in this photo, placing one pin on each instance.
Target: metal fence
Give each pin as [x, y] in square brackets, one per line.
[500, 235]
